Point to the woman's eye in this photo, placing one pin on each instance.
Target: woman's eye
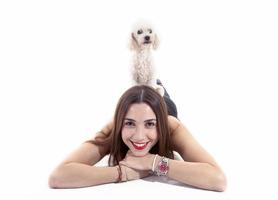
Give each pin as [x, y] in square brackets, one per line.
[139, 31]
[150, 124]
[129, 124]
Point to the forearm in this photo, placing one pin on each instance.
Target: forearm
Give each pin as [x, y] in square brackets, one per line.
[73, 175]
[201, 175]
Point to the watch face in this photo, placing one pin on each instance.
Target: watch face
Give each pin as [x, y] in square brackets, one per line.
[163, 167]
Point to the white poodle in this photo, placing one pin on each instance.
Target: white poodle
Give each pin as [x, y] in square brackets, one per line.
[143, 40]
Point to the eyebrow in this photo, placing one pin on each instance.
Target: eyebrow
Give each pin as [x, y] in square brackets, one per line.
[148, 120]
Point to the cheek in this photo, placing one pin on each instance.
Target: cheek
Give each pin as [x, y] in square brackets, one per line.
[126, 134]
[153, 135]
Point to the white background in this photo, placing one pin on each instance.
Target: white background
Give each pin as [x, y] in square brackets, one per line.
[64, 64]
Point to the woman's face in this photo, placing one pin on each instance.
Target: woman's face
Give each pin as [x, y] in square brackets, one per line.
[139, 131]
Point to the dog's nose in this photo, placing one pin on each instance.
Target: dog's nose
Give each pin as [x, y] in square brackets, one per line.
[147, 38]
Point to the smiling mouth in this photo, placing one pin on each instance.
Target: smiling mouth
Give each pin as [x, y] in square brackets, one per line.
[139, 146]
[147, 42]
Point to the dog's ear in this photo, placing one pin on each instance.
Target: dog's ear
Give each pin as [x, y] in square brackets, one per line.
[133, 43]
[155, 42]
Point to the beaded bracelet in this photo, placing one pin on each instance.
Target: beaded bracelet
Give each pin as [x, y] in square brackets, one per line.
[154, 162]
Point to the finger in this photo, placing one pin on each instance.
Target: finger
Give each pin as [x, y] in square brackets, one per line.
[124, 163]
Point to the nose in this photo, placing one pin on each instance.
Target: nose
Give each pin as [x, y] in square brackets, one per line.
[147, 38]
[139, 134]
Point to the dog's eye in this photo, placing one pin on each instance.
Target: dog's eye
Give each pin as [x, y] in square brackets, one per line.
[139, 31]
[150, 31]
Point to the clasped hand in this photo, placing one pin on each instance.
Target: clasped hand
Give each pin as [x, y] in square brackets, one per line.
[134, 167]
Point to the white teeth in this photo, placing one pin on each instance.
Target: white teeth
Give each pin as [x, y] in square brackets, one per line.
[139, 144]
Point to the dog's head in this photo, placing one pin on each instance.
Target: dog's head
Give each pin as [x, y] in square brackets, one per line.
[143, 37]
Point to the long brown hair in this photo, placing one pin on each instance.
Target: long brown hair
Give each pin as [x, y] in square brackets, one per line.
[138, 94]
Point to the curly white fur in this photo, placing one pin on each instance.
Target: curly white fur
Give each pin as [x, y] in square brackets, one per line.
[143, 70]
[143, 40]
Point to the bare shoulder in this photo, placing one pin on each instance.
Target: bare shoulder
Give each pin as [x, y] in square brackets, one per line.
[88, 152]
[186, 145]
[106, 130]
[174, 123]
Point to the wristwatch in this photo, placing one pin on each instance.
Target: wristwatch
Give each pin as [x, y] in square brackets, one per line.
[162, 167]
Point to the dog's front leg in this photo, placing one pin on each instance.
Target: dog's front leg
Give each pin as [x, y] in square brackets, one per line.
[157, 87]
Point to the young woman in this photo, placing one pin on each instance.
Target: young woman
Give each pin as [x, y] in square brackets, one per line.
[140, 142]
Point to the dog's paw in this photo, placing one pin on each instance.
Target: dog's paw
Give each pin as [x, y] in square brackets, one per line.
[160, 90]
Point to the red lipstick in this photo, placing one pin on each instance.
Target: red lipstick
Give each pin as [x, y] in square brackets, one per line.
[139, 146]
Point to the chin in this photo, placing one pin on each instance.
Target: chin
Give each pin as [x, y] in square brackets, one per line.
[138, 153]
